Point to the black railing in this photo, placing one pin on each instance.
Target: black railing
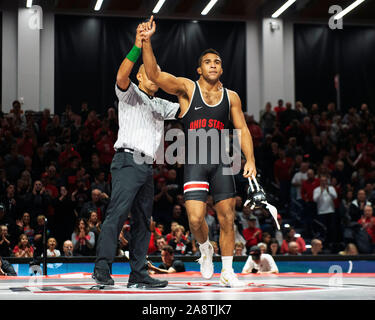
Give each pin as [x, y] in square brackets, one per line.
[91, 259]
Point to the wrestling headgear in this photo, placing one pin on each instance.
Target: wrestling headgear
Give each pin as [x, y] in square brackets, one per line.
[256, 198]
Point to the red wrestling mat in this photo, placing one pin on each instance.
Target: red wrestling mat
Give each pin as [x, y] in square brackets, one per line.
[196, 274]
[191, 286]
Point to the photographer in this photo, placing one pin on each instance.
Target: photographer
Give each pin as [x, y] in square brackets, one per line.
[259, 262]
[6, 269]
[169, 265]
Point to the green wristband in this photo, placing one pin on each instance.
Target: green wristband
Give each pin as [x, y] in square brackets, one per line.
[134, 54]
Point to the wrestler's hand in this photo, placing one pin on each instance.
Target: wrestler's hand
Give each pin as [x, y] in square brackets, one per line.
[148, 29]
[150, 266]
[138, 36]
[249, 169]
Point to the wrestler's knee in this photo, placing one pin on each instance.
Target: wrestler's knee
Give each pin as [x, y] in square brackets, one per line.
[195, 222]
[226, 220]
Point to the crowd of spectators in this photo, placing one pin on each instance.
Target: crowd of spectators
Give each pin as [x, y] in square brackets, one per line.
[317, 165]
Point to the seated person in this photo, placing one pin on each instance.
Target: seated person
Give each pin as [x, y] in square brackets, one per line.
[161, 228]
[259, 262]
[160, 243]
[179, 242]
[290, 236]
[23, 249]
[316, 247]
[350, 250]
[169, 265]
[51, 248]
[169, 236]
[83, 239]
[274, 247]
[239, 249]
[263, 247]
[293, 249]
[67, 249]
[252, 234]
[6, 269]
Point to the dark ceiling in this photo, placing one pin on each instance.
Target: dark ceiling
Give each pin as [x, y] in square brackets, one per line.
[301, 10]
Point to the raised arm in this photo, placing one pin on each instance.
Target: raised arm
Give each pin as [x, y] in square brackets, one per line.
[127, 64]
[239, 123]
[169, 83]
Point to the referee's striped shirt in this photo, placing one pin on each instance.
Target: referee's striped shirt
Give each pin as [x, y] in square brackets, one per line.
[141, 119]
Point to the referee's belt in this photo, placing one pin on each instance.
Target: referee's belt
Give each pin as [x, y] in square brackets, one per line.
[129, 150]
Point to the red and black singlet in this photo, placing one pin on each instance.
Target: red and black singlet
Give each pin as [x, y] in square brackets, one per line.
[207, 117]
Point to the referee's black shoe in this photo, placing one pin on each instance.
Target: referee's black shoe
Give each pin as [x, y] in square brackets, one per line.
[102, 276]
[147, 283]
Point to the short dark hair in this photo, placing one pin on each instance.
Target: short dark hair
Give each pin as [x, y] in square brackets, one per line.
[210, 50]
[169, 249]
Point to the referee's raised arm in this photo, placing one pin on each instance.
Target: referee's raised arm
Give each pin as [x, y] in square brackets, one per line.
[127, 64]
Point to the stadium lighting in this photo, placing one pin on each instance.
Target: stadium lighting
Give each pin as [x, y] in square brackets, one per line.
[285, 6]
[208, 7]
[29, 3]
[348, 9]
[98, 5]
[158, 6]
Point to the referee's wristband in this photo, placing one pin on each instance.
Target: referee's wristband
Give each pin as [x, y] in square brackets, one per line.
[134, 54]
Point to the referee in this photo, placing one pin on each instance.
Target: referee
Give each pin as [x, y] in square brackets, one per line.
[141, 125]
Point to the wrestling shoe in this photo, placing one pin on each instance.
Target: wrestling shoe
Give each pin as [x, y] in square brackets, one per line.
[229, 279]
[147, 283]
[102, 277]
[207, 266]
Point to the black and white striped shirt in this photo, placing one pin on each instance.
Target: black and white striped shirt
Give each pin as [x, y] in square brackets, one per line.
[141, 119]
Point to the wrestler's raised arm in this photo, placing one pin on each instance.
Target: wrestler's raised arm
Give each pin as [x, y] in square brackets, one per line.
[179, 86]
[127, 64]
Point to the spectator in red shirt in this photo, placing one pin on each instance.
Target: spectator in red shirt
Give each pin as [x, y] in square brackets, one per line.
[290, 236]
[252, 234]
[307, 191]
[365, 145]
[368, 222]
[27, 143]
[23, 249]
[68, 153]
[105, 149]
[282, 169]
[104, 128]
[92, 122]
[169, 236]
[308, 186]
[179, 241]
[255, 130]
[155, 233]
[46, 119]
[50, 187]
[160, 243]
[279, 109]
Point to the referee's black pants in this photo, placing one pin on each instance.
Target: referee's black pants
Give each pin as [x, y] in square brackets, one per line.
[132, 191]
